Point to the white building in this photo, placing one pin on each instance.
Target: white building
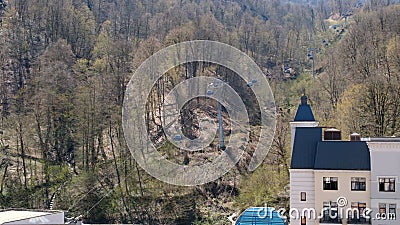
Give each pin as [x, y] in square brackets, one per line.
[24, 217]
[339, 181]
[302, 179]
[385, 174]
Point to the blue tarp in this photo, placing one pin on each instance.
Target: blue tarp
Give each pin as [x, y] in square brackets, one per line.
[260, 216]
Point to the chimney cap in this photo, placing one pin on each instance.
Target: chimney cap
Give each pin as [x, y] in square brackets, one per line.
[332, 134]
[355, 137]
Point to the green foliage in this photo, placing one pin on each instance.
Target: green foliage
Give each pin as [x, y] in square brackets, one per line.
[263, 187]
[211, 221]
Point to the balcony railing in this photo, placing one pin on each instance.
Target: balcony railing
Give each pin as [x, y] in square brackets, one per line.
[359, 221]
[349, 221]
[330, 220]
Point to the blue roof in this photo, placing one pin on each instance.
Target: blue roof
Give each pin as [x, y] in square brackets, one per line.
[304, 112]
[305, 147]
[260, 216]
[342, 155]
[310, 152]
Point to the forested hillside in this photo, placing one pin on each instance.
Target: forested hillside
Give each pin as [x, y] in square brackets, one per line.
[65, 66]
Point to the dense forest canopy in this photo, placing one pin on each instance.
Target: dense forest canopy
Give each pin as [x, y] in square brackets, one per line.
[65, 66]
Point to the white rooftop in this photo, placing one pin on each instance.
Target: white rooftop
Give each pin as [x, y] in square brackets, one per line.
[8, 216]
[381, 139]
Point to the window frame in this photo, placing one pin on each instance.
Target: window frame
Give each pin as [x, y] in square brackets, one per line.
[330, 183]
[382, 208]
[391, 207]
[387, 184]
[358, 184]
[328, 207]
[361, 207]
[303, 196]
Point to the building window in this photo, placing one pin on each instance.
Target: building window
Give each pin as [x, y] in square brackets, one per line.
[330, 213]
[356, 216]
[303, 220]
[387, 184]
[302, 196]
[358, 184]
[326, 208]
[330, 183]
[392, 211]
[361, 208]
[391, 214]
[382, 209]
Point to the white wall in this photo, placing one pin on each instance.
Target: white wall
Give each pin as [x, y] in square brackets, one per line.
[344, 189]
[302, 180]
[385, 162]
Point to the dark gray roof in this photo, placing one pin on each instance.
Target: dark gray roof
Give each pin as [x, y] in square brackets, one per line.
[310, 152]
[305, 147]
[304, 112]
[342, 155]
